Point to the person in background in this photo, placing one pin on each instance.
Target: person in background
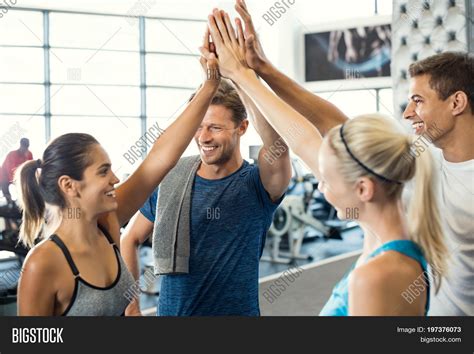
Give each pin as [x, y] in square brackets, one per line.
[14, 159]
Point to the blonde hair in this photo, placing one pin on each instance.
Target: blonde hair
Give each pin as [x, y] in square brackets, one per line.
[380, 143]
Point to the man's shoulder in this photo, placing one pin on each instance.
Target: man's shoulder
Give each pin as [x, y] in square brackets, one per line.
[247, 166]
[247, 170]
[189, 158]
[436, 153]
[184, 163]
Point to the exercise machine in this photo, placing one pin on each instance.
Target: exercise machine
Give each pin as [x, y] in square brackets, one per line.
[304, 208]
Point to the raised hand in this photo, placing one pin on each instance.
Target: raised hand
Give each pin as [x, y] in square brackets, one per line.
[209, 62]
[230, 48]
[255, 56]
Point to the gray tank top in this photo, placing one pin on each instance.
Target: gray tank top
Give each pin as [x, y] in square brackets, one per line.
[91, 300]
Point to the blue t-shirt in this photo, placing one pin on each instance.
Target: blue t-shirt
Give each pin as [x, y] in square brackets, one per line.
[229, 221]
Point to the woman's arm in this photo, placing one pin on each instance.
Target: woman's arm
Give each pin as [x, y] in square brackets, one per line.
[168, 148]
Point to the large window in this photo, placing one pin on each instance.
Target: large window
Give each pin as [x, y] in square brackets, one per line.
[22, 96]
[110, 76]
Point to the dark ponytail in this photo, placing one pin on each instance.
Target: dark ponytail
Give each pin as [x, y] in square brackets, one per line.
[31, 201]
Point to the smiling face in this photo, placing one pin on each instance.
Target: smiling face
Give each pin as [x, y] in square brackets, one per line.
[426, 111]
[218, 136]
[96, 191]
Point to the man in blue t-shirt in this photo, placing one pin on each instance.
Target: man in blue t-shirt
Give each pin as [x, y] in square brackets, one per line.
[232, 206]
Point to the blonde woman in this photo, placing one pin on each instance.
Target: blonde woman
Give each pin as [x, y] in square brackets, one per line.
[362, 167]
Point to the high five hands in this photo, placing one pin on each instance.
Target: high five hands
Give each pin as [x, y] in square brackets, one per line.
[236, 49]
[254, 54]
[229, 45]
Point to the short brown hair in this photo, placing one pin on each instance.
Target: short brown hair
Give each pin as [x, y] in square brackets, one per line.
[449, 72]
[227, 96]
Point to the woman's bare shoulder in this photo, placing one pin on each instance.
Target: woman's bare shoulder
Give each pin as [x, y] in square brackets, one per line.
[392, 270]
[43, 259]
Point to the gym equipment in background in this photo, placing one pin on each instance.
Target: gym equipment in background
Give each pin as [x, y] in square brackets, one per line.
[146, 261]
[14, 253]
[303, 209]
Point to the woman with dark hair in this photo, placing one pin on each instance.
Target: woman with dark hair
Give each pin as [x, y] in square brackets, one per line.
[69, 197]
